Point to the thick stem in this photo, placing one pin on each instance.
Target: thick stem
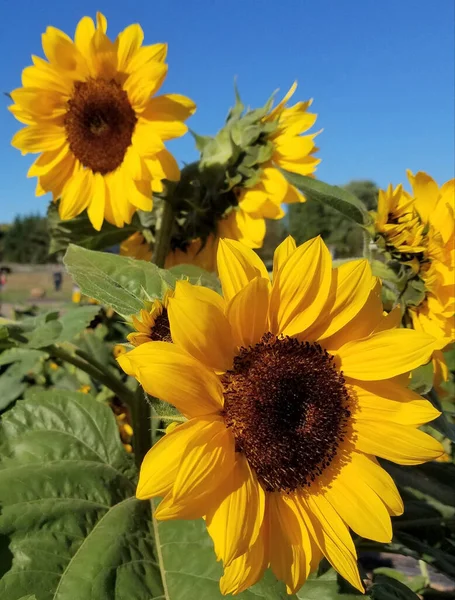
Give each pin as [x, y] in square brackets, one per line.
[106, 378]
[163, 239]
[140, 415]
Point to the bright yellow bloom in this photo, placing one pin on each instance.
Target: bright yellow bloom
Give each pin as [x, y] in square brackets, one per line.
[398, 221]
[137, 247]
[153, 324]
[293, 152]
[84, 389]
[89, 111]
[196, 253]
[290, 389]
[118, 349]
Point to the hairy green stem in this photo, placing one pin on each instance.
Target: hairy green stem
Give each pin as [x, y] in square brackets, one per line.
[105, 377]
[163, 238]
[140, 415]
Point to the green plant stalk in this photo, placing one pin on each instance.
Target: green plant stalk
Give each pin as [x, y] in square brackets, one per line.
[163, 238]
[141, 418]
[106, 378]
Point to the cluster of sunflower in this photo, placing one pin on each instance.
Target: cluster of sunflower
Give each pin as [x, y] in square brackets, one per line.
[416, 232]
[289, 386]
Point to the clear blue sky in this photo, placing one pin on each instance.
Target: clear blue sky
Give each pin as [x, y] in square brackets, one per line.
[381, 73]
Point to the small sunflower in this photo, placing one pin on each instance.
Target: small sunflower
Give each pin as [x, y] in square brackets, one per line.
[152, 325]
[293, 152]
[89, 111]
[291, 389]
[137, 247]
[418, 229]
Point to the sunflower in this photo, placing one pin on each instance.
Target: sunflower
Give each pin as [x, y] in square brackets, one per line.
[293, 152]
[290, 389]
[136, 246]
[89, 111]
[152, 325]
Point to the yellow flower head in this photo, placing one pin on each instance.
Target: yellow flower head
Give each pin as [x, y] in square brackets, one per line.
[89, 111]
[290, 388]
[398, 222]
[293, 152]
[118, 349]
[84, 389]
[137, 247]
[153, 324]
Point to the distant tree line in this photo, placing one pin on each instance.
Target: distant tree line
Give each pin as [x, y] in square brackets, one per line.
[26, 240]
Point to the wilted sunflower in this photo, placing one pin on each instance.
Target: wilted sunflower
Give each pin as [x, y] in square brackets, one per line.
[89, 111]
[290, 390]
[152, 325]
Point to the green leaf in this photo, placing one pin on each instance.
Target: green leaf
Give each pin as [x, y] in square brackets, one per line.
[76, 320]
[422, 379]
[186, 557]
[338, 198]
[118, 281]
[11, 388]
[196, 276]
[73, 529]
[80, 231]
[387, 588]
[325, 587]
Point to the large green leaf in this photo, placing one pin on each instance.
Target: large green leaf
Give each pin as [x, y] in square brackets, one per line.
[70, 526]
[118, 281]
[338, 198]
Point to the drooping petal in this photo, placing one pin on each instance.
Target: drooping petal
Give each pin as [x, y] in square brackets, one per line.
[359, 506]
[247, 312]
[206, 464]
[237, 265]
[291, 547]
[166, 114]
[234, 525]
[160, 465]
[372, 474]
[96, 207]
[39, 138]
[332, 536]
[301, 288]
[246, 570]
[199, 326]
[386, 354]
[401, 444]
[144, 82]
[171, 374]
[77, 194]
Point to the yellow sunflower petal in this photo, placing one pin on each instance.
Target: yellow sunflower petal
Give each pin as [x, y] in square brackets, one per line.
[62, 52]
[76, 195]
[372, 474]
[237, 265]
[386, 354]
[246, 570]
[282, 253]
[167, 114]
[169, 373]
[290, 548]
[351, 286]
[332, 536]
[85, 30]
[129, 42]
[301, 288]
[391, 320]
[234, 525]
[388, 401]
[47, 161]
[207, 462]
[399, 443]
[247, 312]
[144, 82]
[39, 138]
[145, 54]
[359, 506]
[160, 465]
[240, 225]
[194, 317]
[96, 207]
[43, 104]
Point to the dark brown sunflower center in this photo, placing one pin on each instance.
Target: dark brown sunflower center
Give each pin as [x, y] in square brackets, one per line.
[99, 124]
[288, 408]
[161, 331]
